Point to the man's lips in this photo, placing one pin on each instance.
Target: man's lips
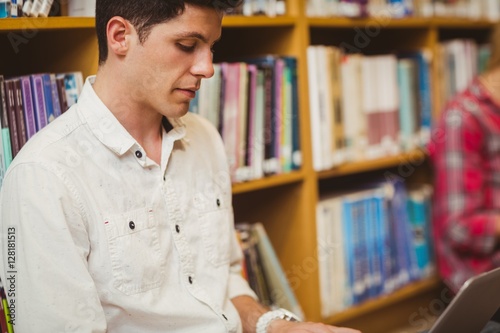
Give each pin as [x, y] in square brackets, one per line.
[189, 92]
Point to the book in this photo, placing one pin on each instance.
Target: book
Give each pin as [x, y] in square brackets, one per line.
[272, 88]
[39, 101]
[332, 263]
[81, 8]
[281, 293]
[6, 310]
[422, 60]
[253, 263]
[3, 167]
[56, 103]
[73, 84]
[29, 109]
[294, 123]
[5, 131]
[20, 121]
[11, 114]
[408, 106]
[47, 95]
[61, 92]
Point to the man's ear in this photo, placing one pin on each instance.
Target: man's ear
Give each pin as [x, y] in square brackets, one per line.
[119, 33]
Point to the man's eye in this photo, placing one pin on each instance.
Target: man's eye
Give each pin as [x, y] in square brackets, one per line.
[186, 48]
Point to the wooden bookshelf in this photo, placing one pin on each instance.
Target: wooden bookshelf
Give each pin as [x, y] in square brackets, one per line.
[49, 23]
[285, 203]
[415, 157]
[257, 21]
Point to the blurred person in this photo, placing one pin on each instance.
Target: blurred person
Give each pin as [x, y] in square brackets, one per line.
[465, 154]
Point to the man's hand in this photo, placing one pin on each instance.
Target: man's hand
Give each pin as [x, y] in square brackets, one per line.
[283, 326]
[250, 311]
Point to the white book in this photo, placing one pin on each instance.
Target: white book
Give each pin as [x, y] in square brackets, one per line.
[314, 107]
[84, 8]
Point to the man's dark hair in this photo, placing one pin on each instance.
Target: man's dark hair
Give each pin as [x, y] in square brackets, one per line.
[145, 14]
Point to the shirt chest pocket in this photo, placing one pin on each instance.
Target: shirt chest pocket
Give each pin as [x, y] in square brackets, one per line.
[134, 249]
[216, 231]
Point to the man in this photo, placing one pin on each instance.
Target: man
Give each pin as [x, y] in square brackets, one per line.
[120, 210]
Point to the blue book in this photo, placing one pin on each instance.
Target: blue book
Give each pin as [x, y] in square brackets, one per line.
[348, 250]
[416, 211]
[424, 92]
[374, 239]
[385, 245]
[408, 268]
[47, 93]
[358, 261]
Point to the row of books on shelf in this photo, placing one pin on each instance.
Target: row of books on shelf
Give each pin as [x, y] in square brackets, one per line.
[25, 8]
[28, 103]
[262, 269]
[45, 8]
[371, 242]
[269, 8]
[471, 9]
[254, 104]
[370, 106]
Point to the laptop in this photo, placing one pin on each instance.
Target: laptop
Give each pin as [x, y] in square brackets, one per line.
[473, 306]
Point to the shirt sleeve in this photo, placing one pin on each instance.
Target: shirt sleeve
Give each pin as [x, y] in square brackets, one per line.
[460, 192]
[44, 254]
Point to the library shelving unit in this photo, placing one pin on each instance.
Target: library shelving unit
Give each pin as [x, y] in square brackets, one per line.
[285, 203]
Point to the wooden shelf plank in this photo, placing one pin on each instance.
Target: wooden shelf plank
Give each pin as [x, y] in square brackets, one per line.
[267, 182]
[257, 21]
[412, 22]
[346, 22]
[369, 165]
[454, 22]
[376, 304]
[50, 23]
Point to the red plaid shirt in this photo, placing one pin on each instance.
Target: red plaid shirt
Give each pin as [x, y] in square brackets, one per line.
[465, 151]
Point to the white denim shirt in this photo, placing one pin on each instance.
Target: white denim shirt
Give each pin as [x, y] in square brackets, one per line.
[97, 237]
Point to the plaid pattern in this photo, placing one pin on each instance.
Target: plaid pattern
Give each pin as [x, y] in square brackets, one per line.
[465, 152]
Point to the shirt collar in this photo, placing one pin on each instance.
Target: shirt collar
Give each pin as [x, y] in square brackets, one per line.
[107, 128]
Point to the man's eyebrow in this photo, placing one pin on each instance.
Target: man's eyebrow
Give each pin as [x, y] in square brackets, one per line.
[197, 35]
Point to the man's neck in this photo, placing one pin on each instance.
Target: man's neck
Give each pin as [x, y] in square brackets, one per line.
[144, 127]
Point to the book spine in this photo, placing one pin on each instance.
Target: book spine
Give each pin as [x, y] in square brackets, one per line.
[39, 101]
[61, 91]
[295, 121]
[20, 121]
[29, 112]
[11, 107]
[47, 93]
[56, 103]
[6, 145]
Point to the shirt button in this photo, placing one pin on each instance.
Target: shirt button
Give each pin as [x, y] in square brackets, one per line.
[131, 225]
[177, 228]
[218, 203]
[223, 315]
[190, 279]
[138, 153]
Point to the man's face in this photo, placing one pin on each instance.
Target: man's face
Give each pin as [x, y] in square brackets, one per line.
[165, 71]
